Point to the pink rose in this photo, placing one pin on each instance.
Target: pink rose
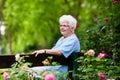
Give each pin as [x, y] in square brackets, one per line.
[102, 76]
[77, 25]
[90, 52]
[102, 55]
[115, 1]
[49, 77]
[17, 56]
[107, 20]
[6, 76]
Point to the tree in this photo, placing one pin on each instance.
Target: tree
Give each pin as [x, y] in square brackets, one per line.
[34, 24]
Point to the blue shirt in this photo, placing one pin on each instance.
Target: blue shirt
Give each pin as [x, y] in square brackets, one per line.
[68, 45]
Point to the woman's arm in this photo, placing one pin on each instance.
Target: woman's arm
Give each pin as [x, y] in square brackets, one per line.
[48, 51]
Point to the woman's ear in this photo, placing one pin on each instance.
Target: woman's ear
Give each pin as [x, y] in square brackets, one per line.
[73, 28]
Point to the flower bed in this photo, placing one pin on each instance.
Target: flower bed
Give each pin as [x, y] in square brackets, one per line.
[95, 67]
[21, 70]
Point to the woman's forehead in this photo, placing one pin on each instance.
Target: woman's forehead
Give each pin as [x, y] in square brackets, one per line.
[64, 22]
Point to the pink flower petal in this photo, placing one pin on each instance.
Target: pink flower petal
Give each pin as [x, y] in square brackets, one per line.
[49, 77]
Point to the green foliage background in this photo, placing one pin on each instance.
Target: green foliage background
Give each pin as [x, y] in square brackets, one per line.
[32, 25]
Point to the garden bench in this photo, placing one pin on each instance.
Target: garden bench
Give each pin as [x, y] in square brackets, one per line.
[7, 60]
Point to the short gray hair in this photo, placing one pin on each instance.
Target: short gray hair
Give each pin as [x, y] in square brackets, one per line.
[72, 22]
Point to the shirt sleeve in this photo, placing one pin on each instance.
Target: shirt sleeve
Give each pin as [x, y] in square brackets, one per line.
[67, 47]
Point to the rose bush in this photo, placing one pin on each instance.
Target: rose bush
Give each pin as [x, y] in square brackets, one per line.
[21, 70]
[97, 67]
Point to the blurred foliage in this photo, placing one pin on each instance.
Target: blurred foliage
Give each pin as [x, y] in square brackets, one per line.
[34, 24]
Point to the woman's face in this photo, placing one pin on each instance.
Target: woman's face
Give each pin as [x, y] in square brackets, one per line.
[65, 29]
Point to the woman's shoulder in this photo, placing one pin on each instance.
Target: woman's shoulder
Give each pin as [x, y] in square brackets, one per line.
[73, 37]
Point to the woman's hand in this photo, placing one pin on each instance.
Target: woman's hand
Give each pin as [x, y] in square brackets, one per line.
[38, 52]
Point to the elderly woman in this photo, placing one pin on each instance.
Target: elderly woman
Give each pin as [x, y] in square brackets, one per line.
[68, 43]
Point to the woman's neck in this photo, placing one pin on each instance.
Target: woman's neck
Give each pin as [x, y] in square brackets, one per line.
[67, 35]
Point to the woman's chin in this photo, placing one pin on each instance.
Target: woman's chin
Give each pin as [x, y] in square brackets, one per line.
[63, 33]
